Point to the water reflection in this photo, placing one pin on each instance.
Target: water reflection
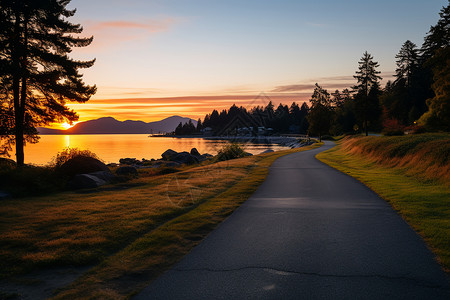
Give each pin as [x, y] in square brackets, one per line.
[112, 147]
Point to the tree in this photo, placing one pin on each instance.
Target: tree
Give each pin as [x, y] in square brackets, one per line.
[367, 76]
[320, 113]
[407, 63]
[439, 35]
[438, 116]
[37, 74]
[403, 100]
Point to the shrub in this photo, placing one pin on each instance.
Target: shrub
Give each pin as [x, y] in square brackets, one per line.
[69, 153]
[393, 127]
[230, 151]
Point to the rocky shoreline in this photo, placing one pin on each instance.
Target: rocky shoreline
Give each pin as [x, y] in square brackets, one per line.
[95, 173]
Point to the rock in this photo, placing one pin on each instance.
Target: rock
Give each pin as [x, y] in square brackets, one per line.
[267, 151]
[185, 158]
[195, 152]
[85, 181]
[129, 161]
[205, 156]
[169, 154]
[82, 165]
[103, 175]
[127, 171]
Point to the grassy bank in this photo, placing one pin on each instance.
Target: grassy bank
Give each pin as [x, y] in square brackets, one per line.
[411, 173]
[132, 232]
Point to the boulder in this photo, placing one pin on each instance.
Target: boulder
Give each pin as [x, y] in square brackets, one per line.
[127, 171]
[195, 152]
[106, 176]
[130, 161]
[267, 151]
[82, 165]
[169, 154]
[185, 158]
[85, 181]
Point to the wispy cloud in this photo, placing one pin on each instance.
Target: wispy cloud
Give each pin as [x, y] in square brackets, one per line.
[150, 26]
[292, 88]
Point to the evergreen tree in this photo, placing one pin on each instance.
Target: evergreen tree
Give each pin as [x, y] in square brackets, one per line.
[320, 113]
[407, 63]
[438, 116]
[439, 35]
[367, 76]
[37, 74]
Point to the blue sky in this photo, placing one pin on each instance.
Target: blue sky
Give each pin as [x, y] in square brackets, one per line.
[176, 48]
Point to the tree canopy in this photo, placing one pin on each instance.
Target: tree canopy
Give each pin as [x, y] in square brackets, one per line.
[38, 77]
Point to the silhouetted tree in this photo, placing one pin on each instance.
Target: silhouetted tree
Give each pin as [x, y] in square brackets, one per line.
[407, 63]
[320, 113]
[439, 35]
[199, 125]
[37, 74]
[367, 76]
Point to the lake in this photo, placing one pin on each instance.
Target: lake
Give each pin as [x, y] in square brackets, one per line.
[112, 147]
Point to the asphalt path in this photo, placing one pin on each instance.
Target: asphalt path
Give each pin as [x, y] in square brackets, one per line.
[308, 232]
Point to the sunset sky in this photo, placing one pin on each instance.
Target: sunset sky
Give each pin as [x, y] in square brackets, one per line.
[157, 58]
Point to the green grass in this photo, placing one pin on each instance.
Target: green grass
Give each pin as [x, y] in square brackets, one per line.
[423, 201]
[130, 233]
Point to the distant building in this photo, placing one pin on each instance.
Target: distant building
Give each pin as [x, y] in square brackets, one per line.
[207, 131]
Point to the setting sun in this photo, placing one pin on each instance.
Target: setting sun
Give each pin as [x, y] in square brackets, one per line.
[66, 125]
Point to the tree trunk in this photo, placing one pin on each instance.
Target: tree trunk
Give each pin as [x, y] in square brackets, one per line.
[18, 109]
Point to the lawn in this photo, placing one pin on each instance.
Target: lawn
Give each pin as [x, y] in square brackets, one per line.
[129, 233]
[410, 173]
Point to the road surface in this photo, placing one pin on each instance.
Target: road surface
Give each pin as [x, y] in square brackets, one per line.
[308, 232]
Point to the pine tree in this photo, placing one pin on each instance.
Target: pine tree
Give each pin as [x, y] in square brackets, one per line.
[367, 76]
[38, 75]
[407, 63]
[439, 35]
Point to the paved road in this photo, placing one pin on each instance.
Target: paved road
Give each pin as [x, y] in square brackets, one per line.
[308, 232]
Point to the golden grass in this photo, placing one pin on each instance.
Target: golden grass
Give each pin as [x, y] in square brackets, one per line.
[425, 156]
[423, 201]
[130, 235]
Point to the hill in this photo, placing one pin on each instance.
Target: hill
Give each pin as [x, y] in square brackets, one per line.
[109, 125]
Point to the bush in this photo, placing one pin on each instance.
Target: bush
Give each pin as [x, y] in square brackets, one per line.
[69, 153]
[230, 151]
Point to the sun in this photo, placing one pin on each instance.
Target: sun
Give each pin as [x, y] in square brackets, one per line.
[66, 125]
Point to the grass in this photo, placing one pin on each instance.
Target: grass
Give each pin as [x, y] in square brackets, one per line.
[407, 171]
[130, 233]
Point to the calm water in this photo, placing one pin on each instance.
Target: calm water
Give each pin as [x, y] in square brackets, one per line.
[112, 147]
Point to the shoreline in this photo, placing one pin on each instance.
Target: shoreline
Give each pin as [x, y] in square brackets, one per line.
[288, 141]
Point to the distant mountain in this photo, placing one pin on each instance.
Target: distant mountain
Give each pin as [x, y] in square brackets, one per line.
[109, 125]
